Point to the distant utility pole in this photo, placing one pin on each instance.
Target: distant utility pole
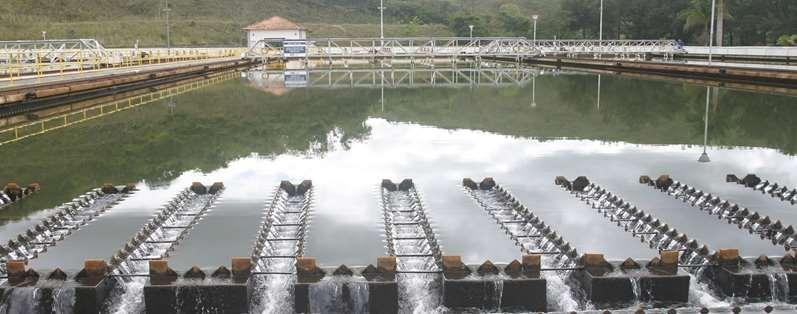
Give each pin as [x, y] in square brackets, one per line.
[381, 19]
[535, 17]
[720, 22]
[168, 27]
[600, 28]
[44, 35]
[471, 30]
[711, 33]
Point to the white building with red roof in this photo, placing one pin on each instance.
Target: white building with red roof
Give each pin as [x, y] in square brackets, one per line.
[274, 28]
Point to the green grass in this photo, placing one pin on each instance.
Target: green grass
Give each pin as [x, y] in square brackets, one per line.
[124, 33]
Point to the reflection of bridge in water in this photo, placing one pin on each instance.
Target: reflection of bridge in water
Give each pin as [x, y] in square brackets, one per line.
[395, 77]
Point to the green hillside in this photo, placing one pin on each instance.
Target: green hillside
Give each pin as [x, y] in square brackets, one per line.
[218, 22]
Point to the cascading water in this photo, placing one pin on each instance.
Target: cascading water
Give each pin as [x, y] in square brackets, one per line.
[411, 240]
[280, 241]
[533, 237]
[332, 293]
[131, 265]
[48, 296]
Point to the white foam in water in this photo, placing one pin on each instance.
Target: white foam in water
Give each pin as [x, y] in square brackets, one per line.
[700, 295]
[63, 300]
[29, 299]
[275, 292]
[418, 294]
[560, 298]
[20, 301]
[327, 296]
[131, 300]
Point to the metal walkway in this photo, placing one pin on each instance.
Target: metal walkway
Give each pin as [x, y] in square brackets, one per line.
[457, 47]
[40, 57]
[409, 235]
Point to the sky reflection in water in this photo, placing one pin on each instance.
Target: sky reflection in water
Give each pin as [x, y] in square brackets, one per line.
[346, 224]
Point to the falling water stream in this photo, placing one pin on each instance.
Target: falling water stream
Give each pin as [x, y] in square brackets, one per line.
[411, 240]
[280, 241]
[184, 211]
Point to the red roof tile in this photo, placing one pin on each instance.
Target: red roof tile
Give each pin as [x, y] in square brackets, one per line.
[274, 23]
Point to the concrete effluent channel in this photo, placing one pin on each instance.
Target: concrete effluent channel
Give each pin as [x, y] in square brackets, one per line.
[415, 273]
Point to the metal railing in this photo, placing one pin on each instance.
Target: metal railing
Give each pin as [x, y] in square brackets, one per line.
[446, 47]
[40, 57]
[620, 48]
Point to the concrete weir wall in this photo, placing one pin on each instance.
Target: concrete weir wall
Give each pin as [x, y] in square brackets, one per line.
[371, 289]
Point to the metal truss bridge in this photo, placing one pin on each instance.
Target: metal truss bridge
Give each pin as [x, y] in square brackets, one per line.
[26, 57]
[457, 47]
[51, 50]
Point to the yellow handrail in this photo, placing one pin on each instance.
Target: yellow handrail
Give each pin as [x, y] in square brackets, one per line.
[23, 131]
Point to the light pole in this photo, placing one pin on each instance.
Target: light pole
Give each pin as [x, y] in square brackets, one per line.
[711, 33]
[471, 30]
[44, 35]
[704, 156]
[381, 19]
[600, 27]
[168, 10]
[535, 17]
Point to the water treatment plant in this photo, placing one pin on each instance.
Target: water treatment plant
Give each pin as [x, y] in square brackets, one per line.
[404, 174]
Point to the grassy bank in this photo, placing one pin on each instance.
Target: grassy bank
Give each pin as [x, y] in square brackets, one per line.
[124, 33]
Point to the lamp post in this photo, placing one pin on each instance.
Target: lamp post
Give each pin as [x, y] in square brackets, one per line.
[535, 17]
[168, 10]
[600, 27]
[711, 33]
[381, 19]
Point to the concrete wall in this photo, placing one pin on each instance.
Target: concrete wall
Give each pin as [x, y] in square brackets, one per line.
[253, 36]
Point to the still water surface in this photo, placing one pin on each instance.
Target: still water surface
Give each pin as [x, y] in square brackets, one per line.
[250, 134]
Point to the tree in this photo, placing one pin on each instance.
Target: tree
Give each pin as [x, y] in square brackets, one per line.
[513, 22]
[696, 18]
[582, 16]
[786, 40]
[460, 25]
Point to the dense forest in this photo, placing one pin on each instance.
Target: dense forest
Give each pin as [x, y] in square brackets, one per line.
[218, 22]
